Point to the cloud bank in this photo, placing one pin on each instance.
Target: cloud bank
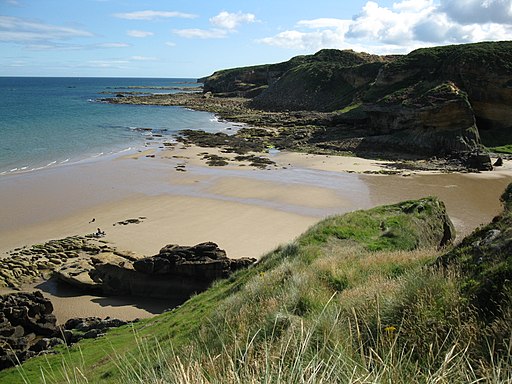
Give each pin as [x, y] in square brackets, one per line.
[405, 25]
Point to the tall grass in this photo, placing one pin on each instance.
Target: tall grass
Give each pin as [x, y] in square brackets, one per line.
[349, 316]
[299, 358]
[331, 307]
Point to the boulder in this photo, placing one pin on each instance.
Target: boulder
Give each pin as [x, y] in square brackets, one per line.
[80, 328]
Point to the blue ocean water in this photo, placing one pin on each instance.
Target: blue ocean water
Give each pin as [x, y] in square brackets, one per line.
[49, 121]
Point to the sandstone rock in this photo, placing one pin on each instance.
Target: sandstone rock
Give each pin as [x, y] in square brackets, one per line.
[176, 272]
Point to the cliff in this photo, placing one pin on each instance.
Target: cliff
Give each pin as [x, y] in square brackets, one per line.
[441, 101]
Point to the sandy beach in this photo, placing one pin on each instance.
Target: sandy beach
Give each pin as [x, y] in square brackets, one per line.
[180, 200]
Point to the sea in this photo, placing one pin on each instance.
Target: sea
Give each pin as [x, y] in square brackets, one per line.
[50, 121]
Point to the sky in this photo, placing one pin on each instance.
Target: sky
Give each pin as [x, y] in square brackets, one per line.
[194, 38]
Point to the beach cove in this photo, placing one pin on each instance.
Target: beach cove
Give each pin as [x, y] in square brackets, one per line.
[168, 195]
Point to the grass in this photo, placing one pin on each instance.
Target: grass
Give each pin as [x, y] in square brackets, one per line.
[330, 307]
[502, 149]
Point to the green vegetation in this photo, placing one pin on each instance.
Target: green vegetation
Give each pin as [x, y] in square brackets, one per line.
[502, 149]
[367, 297]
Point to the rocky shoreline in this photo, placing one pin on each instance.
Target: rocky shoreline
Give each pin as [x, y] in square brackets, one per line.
[299, 131]
[434, 104]
[28, 326]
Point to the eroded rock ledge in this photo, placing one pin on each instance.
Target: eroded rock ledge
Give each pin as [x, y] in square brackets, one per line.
[176, 272]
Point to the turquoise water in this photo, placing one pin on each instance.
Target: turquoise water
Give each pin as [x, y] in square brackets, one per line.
[50, 121]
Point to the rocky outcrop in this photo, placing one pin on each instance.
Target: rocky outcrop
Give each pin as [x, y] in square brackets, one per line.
[80, 328]
[202, 261]
[481, 70]
[442, 101]
[439, 120]
[29, 328]
[26, 264]
[176, 272]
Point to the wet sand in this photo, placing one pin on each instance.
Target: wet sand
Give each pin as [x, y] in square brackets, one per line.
[247, 211]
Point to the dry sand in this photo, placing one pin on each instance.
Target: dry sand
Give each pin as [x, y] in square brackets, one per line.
[247, 211]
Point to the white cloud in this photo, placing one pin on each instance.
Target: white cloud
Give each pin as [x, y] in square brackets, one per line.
[143, 58]
[138, 33]
[201, 33]
[15, 29]
[153, 15]
[231, 21]
[118, 64]
[324, 23]
[223, 24]
[404, 26]
[385, 25]
[308, 41]
[170, 44]
[112, 45]
[478, 11]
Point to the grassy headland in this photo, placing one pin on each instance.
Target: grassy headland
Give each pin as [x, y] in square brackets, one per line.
[371, 296]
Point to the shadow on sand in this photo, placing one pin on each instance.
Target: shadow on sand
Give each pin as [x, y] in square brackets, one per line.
[56, 288]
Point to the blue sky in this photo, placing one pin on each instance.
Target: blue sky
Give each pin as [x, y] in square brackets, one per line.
[193, 38]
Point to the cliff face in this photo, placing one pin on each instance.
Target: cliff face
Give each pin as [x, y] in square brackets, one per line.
[481, 72]
[439, 120]
[433, 101]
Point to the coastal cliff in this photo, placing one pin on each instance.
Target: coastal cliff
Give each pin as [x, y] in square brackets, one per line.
[441, 101]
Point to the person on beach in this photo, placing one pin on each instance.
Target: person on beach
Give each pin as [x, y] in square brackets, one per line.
[100, 233]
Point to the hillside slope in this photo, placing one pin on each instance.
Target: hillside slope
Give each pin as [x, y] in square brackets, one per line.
[357, 298]
[440, 101]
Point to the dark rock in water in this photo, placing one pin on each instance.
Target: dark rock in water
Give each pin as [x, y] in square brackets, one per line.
[176, 272]
[479, 161]
[498, 162]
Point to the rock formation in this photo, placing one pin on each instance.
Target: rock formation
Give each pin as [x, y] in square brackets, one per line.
[441, 101]
[176, 272]
[26, 264]
[28, 327]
